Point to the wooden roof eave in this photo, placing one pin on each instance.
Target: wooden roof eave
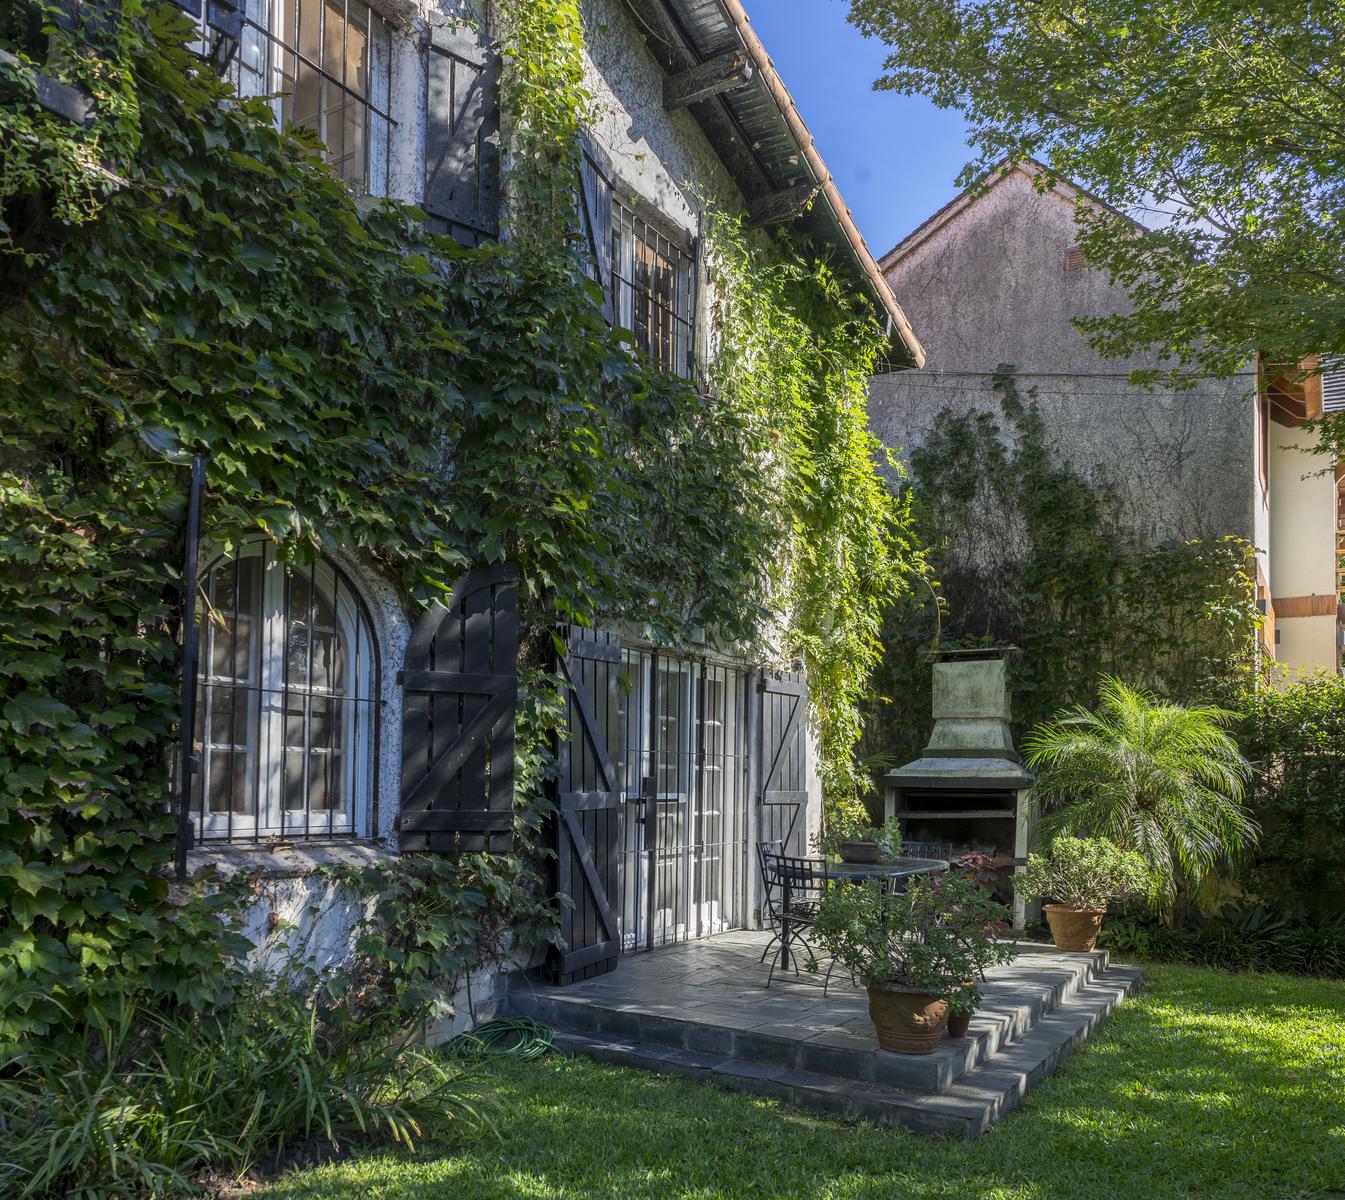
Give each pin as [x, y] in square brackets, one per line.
[761, 138]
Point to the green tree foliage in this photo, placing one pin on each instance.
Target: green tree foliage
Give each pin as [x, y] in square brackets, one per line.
[1221, 124]
[1162, 780]
[1028, 552]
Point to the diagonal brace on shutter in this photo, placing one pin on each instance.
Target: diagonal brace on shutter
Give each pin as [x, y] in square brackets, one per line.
[497, 713]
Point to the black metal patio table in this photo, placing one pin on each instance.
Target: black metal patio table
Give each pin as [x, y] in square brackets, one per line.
[895, 869]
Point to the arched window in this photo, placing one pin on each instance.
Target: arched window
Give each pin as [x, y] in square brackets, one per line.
[286, 724]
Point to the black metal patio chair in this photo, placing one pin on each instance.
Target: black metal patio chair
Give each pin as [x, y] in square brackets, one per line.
[794, 889]
[770, 892]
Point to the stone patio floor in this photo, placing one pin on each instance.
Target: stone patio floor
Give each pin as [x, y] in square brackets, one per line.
[703, 1009]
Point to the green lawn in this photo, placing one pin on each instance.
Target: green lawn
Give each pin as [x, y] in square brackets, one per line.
[1206, 1084]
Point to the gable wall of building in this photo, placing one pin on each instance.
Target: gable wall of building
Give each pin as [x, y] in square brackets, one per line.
[990, 287]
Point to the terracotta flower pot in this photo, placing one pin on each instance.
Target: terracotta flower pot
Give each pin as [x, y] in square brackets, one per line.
[1074, 928]
[907, 1020]
[958, 1024]
[860, 852]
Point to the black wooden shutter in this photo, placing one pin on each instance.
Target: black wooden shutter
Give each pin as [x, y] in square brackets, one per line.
[459, 688]
[782, 772]
[590, 794]
[596, 182]
[462, 138]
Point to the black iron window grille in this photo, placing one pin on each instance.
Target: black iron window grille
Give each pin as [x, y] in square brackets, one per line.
[326, 64]
[652, 286]
[286, 720]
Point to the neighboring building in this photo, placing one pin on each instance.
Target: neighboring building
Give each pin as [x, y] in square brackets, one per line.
[996, 277]
[1304, 614]
[311, 741]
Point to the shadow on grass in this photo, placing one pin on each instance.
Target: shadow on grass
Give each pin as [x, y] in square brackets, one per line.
[1207, 1085]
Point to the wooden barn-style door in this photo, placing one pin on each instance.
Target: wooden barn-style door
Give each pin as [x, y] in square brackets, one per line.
[655, 830]
[590, 798]
[460, 686]
[782, 779]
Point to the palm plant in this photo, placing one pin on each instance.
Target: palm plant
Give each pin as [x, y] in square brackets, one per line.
[1163, 780]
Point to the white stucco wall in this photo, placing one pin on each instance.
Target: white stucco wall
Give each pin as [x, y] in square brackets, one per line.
[1302, 548]
[991, 287]
[1303, 516]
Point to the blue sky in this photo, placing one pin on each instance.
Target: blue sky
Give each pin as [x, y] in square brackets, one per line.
[893, 157]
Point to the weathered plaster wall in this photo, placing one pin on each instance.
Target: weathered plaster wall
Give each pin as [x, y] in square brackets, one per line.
[991, 287]
[662, 156]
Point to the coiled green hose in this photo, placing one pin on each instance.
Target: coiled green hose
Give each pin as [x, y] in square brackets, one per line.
[519, 1038]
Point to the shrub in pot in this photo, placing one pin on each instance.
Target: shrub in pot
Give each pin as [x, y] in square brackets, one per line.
[914, 950]
[1082, 876]
[962, 1003]
[857, 842]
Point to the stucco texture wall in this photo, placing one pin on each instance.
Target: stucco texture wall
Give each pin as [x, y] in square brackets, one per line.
[1303, 516]
[662, 156]
[991, 287]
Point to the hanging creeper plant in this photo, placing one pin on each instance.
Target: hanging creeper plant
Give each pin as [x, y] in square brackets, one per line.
[230, 296]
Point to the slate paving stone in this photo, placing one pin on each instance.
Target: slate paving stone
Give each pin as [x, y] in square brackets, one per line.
[702, 1010]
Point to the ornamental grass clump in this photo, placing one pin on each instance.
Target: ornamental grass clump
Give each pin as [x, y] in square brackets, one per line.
[147, 1104]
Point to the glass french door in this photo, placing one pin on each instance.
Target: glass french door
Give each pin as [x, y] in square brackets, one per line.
[683, 826]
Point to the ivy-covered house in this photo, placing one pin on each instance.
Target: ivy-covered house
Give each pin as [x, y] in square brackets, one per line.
[527, 518]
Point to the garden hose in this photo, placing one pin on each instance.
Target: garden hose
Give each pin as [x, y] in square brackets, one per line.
[519, 1038]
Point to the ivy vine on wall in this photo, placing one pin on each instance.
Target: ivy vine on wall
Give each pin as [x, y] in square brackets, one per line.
[1029, 552]
[229, 296]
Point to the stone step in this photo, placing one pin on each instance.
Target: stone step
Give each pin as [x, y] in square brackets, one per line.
[1007, 1016]
[967, 1107]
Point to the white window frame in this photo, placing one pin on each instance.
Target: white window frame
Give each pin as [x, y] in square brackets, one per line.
[265, 64]
[266, 689]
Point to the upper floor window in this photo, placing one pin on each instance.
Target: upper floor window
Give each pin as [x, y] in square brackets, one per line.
[327, 62]
[644, 266]
[287, 687]
[651, 283]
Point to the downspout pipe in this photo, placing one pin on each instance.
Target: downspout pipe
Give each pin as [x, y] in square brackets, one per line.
[826, 185]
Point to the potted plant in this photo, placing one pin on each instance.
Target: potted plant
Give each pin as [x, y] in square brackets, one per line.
[1082, 876]
[962, 1003]
[857, 842]
[914, 949]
